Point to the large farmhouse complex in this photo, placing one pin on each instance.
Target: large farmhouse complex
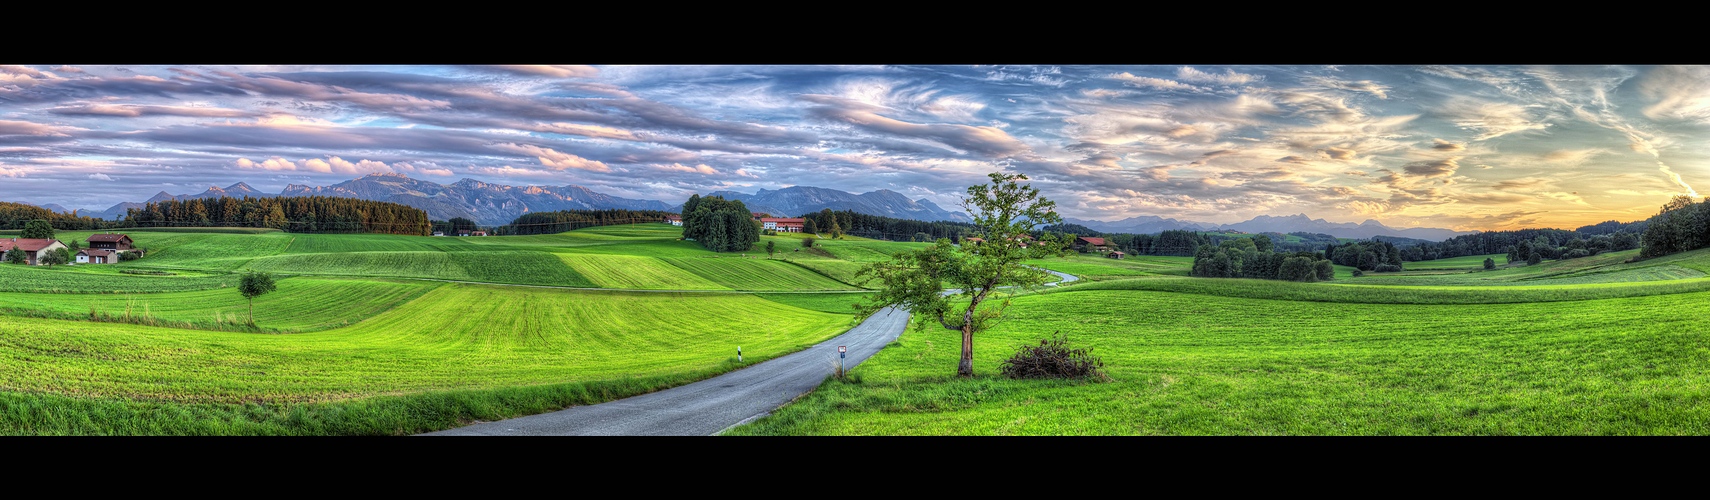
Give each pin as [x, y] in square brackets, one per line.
[786, 224]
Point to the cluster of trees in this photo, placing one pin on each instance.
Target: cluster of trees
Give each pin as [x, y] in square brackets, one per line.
[17, 215]
[454, 225]
[1681, 225]
[1606, 236]
[1255, 257]
[297, 214]
[566, 220]
[879, 227]
[720, 225]
[1371, 255]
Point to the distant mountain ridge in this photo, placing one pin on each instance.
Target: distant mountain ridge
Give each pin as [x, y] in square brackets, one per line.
[1266, 223]
[497, 204]
[798, 200]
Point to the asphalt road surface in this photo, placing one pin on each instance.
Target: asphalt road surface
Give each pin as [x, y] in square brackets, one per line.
[710, 406]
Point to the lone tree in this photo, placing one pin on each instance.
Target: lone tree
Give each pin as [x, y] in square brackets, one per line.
[252, 285]
[915, 281]
[55, 257]
[771, 246]
[37, 230]
[1489, 263]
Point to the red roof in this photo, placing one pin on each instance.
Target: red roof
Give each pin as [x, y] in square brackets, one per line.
[783, 220]
[1092, 240]
[673, 217]
[27, 244]
[108, 238]
[95, 252]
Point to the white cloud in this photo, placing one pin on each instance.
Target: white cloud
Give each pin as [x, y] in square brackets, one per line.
[678, 167]
[100, 177]
[559, 71]
[1229, 77]
[1146, 81]
[552, 158]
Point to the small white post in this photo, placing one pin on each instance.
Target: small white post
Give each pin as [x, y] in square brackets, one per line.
[739, 354]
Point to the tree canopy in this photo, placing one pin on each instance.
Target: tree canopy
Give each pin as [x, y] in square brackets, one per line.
[917, 281]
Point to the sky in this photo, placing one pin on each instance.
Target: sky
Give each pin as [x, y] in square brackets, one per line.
[1467, 148]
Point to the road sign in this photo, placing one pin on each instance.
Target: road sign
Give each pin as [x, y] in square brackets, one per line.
[842, 351]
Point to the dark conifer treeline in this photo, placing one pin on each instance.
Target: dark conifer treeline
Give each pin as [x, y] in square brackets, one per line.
[16, 215]
[567, 220]
[297, 214]
[879, 227]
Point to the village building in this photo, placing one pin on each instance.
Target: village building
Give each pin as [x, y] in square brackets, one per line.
[1115, 255]
[33, 248]
[477, 233]
[973, 240]
[463, 232]
[111, 241]
[1090, 244]
[96, 256]
[785, 224]
[675, 220]
[439, 233]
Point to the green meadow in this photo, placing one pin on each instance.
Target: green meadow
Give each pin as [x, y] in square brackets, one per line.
[385, 334]
[390, 335]
[1593, 346]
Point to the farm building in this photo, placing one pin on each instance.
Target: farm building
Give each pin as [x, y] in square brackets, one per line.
[1115, 255]
[464, 232]
[477, 233]
[97, 256]
[786, 224]
[439, 233]
[1090, 244]
[111, 241]
[33, 248]
[973, 240]
[675, 220]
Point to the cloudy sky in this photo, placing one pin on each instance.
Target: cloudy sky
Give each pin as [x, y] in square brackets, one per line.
[1483, 147]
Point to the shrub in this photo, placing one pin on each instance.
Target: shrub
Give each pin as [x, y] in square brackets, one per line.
[1357, 273]
[1386, 268]
[1489, 263]
[1053, 358]
[129, 256]
[807, 242]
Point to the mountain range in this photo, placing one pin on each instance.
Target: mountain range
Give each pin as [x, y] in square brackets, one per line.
[496, 204]
[1265, 223]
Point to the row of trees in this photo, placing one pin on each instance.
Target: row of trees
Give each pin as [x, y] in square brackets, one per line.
[297, 214]
[720, 225]
[878, 227]
[566, 220]
[17, 215]
[1255, 257]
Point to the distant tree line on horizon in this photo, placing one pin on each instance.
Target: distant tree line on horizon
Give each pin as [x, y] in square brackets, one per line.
[297, 214]
[18, 215]
[568, 220]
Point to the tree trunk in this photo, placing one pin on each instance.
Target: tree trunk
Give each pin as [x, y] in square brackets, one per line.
[966, 368]
[251, 312]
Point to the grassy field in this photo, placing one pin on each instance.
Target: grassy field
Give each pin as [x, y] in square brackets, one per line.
[465, 339]
[364, 335]
[1205, 365]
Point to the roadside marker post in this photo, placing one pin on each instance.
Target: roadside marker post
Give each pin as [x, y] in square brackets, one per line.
[739, 354]
[842, 351]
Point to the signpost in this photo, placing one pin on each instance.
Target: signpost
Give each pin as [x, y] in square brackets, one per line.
[739, 354]
[842, 351]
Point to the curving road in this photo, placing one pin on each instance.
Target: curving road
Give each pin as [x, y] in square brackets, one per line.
[710, 406]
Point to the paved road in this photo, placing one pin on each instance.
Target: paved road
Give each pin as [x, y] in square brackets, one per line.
[710, 406]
